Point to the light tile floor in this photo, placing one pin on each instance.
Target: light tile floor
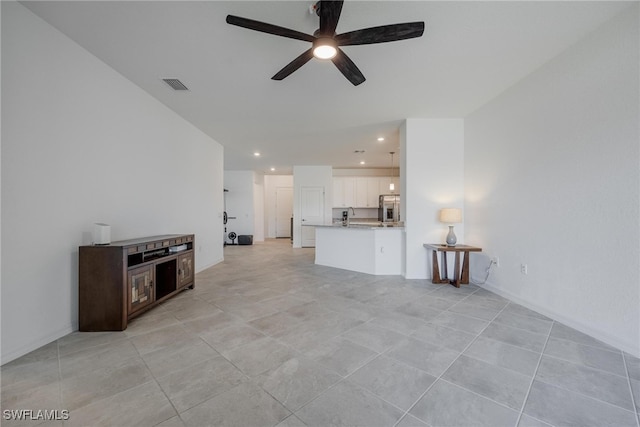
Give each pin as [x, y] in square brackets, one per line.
[268, 338]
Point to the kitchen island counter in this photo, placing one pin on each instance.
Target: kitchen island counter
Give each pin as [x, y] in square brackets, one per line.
[371, 249]
[366, 225]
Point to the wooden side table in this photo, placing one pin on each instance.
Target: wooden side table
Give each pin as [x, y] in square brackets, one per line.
[459, 276]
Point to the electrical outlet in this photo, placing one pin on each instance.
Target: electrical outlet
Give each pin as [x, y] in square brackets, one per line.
[524, 269]
[496, 261]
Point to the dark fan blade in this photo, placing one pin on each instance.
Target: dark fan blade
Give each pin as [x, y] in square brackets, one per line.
[348, 68]
[382, 34]
[294, 65]
[268, 28]
[329, 16]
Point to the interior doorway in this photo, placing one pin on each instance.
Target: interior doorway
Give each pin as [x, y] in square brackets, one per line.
[284, 211]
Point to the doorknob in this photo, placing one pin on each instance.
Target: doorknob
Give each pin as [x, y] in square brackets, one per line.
[304, 220]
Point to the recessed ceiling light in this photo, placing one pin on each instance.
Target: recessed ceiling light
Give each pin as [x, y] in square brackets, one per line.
[380, 139]
[273, 169]
[256, 154]
[362, 162]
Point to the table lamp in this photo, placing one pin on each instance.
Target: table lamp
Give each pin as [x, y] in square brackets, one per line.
[451, 216]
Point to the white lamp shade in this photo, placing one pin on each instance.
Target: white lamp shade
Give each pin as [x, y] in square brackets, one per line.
[451, 215]
[101, 234]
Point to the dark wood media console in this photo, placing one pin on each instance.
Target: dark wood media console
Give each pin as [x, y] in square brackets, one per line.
[121, 280]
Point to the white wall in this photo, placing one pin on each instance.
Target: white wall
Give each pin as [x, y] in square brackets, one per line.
[258, 207]
[552, 180]
[271, 184]
[310, 176]
[81, 144]
[240, 202]
[1, 138]
[432, 177]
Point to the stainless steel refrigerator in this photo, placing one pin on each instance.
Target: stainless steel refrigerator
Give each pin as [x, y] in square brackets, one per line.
[389, 208]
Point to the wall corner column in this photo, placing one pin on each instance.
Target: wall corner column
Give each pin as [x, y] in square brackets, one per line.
[432, 177]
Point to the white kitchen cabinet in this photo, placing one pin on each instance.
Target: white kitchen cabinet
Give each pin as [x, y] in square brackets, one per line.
[361, 191]
[367, 191]
[338, 193]
[373, 191]
[344, 188]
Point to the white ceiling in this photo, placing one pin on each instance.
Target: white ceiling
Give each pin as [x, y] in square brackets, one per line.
[469, 53]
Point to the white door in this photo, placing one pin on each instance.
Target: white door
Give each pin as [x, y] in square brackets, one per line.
[311, 213]
[284, 210]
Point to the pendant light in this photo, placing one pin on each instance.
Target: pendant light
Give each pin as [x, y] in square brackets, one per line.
[392, 186]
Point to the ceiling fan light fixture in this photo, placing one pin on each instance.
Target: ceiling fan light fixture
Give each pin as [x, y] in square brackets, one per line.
[324, 48]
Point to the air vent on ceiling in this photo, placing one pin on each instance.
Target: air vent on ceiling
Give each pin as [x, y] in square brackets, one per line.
[176, 84]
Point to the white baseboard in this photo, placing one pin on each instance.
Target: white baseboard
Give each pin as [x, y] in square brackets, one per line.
[209, 265]
[12, 354]
[606, 338]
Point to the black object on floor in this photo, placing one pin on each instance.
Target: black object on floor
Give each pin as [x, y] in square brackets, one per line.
[245, 239]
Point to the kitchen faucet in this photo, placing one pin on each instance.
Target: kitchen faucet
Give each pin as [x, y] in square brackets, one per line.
[349, 216]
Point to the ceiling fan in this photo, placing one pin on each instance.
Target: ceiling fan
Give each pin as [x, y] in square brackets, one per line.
[326, 43]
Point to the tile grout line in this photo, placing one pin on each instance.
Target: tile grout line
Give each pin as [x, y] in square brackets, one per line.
[591, 346]
[451, 364]
[332, 386]
[405, 364]
[626, 368]
[346, 377]
[579, 393]
[588, 367]
[535, 372]
[154, 380]
[247, 378]
[346, 380]
[78, 332]
[582, 365]
[613, 405]
[60, 399]
[119, 392]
